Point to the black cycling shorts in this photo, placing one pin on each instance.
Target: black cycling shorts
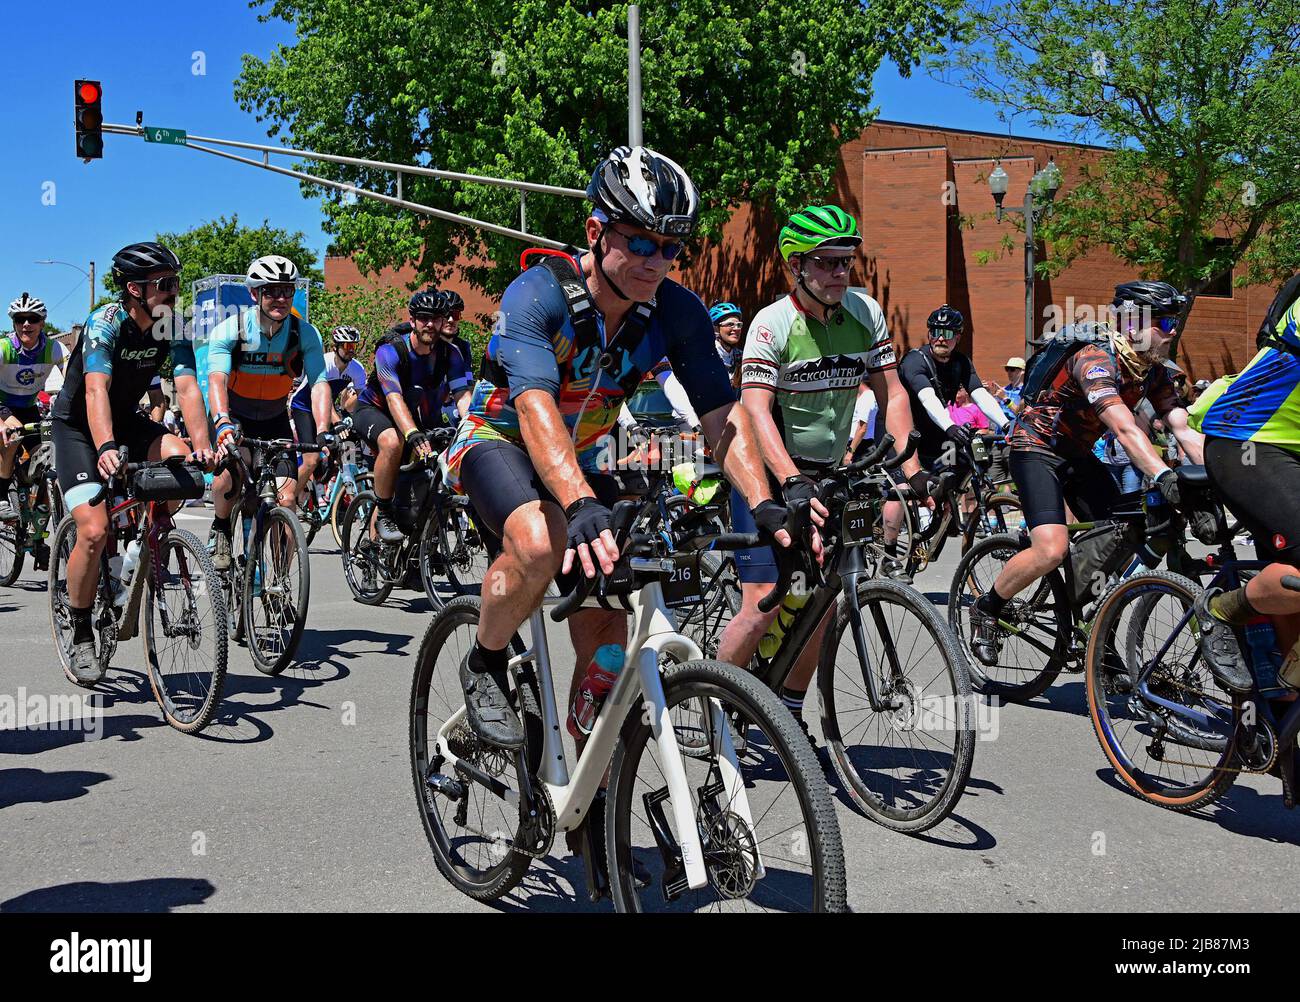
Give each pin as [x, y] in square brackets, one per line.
[369, 422]
[1044, 484]
[77, 461]
[286, 463]
[1260, 486]
[499, 478]
[304, 425]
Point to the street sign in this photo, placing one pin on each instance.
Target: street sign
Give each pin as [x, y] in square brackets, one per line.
[153, 134]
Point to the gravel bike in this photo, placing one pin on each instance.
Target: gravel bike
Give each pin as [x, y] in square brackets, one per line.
[328, 494]
[714, 800]
[174, 585]
[37, 503]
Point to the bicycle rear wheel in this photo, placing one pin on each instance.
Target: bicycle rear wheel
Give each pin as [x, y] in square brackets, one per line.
[365, 566]
[277, 586]
[472, 836]
[464, 554]
[342, 501]
[185, 634]
[785, 855]
[1038, 624]
[905, 766]
[1171, 760]
[309, 513]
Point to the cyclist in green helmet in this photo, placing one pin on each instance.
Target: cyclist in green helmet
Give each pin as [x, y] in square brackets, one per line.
[805, 357]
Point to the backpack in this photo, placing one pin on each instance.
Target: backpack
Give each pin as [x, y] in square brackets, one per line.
[396, 336]
[1046, 363]
[1283, 301]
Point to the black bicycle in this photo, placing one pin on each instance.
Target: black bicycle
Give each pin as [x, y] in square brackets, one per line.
[36, 501]
[896, 704]
[1044, 630]
[269, 581]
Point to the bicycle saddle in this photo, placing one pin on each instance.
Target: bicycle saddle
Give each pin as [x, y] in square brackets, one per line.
[1193, 476]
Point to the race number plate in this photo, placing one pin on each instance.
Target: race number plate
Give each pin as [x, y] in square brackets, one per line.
[681, 586]
[859, 517]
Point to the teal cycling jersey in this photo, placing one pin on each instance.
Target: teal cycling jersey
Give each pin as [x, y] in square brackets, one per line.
[113, 345]
[23, 371]
[263, 380]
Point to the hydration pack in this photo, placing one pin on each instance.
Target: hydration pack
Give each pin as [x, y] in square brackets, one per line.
[1267, 336]
[1043, 367]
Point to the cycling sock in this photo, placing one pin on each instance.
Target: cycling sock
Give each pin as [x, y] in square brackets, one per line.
[793, 701]
[991, 602]
[482, 660]
[1233, 607]
[891, 549]
[221, 525]
[385, 505]
[81, 630]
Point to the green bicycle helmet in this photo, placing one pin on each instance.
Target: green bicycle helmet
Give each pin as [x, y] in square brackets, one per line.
[818, 226]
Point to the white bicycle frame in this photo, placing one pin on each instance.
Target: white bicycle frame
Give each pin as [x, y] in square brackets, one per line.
[652, 633]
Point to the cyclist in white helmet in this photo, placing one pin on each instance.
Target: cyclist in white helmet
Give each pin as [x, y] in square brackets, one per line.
[26, 358]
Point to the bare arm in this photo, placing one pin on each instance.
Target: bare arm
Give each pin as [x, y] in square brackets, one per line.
[1141, 452]
[196, 420]
[730, 432]
[218, 398]
[758, 402]
[322, 407]
[99, 413]
[1191, 440]
[398, 411]
[462, 403]
[550, 448]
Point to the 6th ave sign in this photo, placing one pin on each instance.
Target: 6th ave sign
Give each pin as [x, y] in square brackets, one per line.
[174, 137]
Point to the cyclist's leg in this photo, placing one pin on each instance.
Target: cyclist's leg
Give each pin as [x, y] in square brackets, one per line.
[18, 417]
[756, 569]
[304, 426]
[83, 492]
[1261, 494]
[375, 428]
[525, 530]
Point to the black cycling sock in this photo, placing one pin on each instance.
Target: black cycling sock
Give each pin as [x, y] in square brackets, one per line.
[221, 524]
[494, 663]
[891, 549]
[1233, 607]
[385, 505]
[991, 602]
[793, 701]
[81, 629]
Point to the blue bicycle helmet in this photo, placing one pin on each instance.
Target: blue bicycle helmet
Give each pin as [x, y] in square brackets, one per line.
[719, 312]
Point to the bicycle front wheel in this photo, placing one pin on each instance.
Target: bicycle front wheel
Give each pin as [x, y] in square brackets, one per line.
[905, 764]
[185, 633]
[277, 585]
[782, 853]
[13, 542]
[464, 554]
[1035, 628]
[365, 559]
[1138, 649]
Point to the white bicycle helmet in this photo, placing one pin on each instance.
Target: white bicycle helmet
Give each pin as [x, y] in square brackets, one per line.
[271, 270]
[27, 303]
[346, 334]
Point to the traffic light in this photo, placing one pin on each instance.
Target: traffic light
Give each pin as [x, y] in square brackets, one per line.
[90, 119]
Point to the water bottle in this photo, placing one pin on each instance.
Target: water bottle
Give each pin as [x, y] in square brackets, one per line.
[602, 673]
[127, 571]
[1264, 655]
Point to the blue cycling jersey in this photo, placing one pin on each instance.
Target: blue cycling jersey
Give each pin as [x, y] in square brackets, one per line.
[431, 376]
[352, 374]
[268, 365]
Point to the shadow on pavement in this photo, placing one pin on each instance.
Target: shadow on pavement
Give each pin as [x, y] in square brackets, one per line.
[1242, 810]
[159, 894]
[125, 727]
[35, 786]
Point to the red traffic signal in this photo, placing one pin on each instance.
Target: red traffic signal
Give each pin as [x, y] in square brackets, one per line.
[89, 119]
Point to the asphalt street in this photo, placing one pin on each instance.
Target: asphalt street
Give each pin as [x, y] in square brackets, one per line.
[299, 797]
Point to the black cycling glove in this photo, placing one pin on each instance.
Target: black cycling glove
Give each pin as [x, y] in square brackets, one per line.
[922, 484]
[770, 517]
[588, 518]
[959, 433]
[1168, 484]
[798, 489]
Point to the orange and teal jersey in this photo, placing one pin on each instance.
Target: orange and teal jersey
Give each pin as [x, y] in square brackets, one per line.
[267, 367]
[535, 347]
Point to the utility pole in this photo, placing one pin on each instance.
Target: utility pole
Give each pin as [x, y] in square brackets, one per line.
[92, 286]
[634, 75]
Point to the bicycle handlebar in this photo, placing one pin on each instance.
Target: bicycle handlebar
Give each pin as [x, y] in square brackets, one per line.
[1291, 582]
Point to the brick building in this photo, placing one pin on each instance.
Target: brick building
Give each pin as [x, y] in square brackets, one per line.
[908, 185]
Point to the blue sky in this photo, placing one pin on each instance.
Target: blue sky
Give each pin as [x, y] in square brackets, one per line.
[145, 60]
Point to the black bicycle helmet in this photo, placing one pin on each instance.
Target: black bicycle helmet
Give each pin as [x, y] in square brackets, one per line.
[452, 301]
[945, 318]
[1161, 298]
[428, 303]
[136, 261]
[644, 188]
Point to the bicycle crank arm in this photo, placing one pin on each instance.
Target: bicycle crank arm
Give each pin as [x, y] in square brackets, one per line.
[1174, 730]
[1019, 631]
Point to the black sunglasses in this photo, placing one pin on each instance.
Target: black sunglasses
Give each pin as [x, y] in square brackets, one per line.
[170, 284]
[29, 318]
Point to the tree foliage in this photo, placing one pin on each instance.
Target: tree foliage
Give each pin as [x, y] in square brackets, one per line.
[223, 247]
[1197, 100]
[752, 98]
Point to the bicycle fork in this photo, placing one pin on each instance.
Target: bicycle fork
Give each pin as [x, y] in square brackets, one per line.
[853, 570]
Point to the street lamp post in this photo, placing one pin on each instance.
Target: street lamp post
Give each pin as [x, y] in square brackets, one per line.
[1044, 184]
[89, 274]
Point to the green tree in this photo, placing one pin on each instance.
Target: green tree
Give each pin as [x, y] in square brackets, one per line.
[370, 310]
[751, 97]
[1197, 100]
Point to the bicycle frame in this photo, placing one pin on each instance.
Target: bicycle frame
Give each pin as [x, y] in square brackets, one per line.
[571, 796]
